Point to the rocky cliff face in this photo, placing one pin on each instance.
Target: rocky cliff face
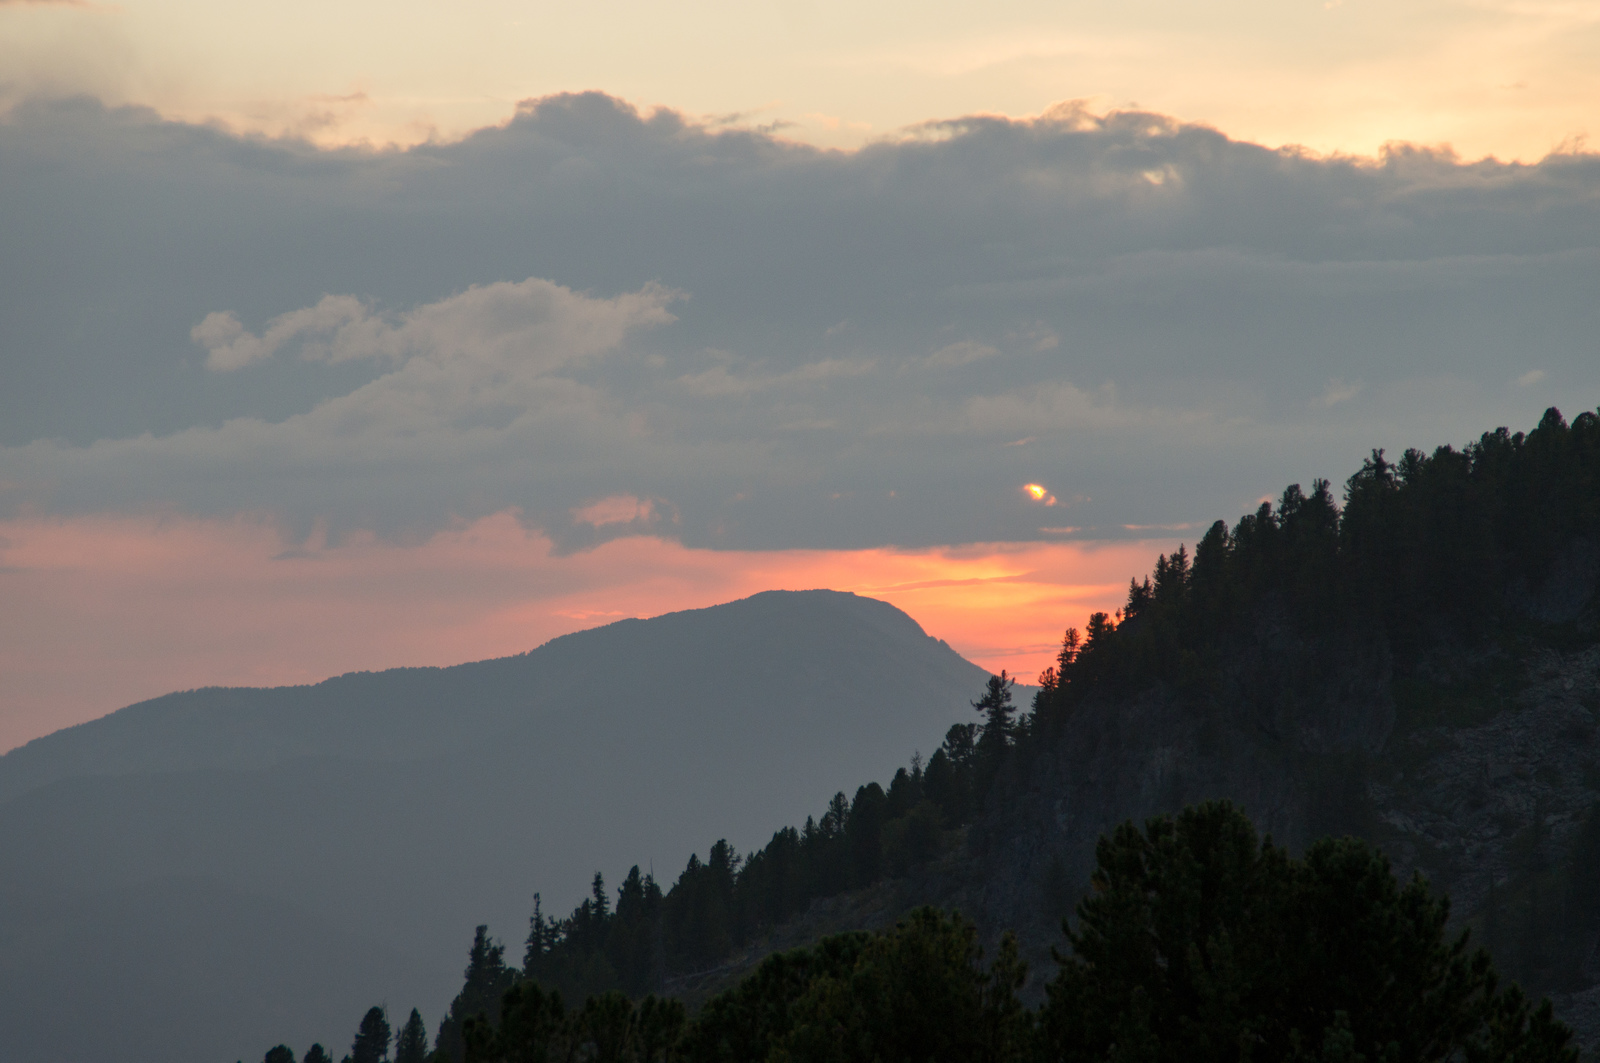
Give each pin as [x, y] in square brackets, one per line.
[1496, 803]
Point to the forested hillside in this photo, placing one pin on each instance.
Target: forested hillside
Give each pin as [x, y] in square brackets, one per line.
[1200, 942]
[1419, 665]
[1460, 544]
[1336, 664]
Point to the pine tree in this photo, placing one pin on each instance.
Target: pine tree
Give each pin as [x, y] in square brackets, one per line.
[1172, 577]
[630, 945]
[1199, 937]
[1070, 643]
[280, 1054]
[1141, 594]
[372, 1038]
[864, 834]
[486, 980]
[317, 1054]
[833, 820]
[960, 743]
[945, 783]
[996, 707]
[542, 937]
[411, 1043]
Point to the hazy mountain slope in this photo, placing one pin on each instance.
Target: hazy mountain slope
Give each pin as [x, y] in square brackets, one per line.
[408, 806]
[183, 968]
[410, 712]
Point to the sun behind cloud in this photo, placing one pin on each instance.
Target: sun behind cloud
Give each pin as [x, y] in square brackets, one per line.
[1039, 493]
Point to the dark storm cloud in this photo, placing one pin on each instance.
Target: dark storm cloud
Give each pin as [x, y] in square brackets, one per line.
[771, 344]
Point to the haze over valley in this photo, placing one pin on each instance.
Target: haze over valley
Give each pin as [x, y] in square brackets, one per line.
[343, 839]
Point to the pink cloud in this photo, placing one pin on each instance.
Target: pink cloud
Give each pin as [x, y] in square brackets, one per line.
[105, 611]
[616, 509]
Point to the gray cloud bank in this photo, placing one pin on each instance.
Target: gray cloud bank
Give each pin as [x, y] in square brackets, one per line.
[767, 344]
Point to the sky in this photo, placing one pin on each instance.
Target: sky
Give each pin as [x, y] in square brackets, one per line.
[341, 337]
[1511, 78]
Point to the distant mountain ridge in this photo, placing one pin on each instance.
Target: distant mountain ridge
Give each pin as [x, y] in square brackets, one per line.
[401, 808]
[356, 715]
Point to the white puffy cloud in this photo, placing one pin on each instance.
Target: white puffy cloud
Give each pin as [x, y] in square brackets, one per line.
[521, 327]
[338, 327]
[474, 372]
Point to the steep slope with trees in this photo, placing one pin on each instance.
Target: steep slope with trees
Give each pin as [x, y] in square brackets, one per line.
[1199, 942]
[1418, 666]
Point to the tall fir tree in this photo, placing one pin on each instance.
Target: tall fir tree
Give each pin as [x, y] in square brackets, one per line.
[411, 1043]
[995, 705]
[486, 980]
[372, 1038]
[543, 935]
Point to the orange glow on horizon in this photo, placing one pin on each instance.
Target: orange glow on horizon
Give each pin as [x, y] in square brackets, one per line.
[106, 611]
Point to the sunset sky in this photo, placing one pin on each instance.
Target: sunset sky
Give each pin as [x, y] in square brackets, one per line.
[1509, 78]
[349, 335]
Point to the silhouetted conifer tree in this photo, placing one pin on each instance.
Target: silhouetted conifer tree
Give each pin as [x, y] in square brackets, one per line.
[905, 791]
[372, 1038]
[944, 782]
[699, 910]
[1199, 938]
[864, 834]
[1139, 594]
[543, 935]
[411, 1043]
[486, 980]
[995, 706]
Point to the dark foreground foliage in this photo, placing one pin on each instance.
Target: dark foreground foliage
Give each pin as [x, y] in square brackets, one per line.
[1200, 942]
[918, 992]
